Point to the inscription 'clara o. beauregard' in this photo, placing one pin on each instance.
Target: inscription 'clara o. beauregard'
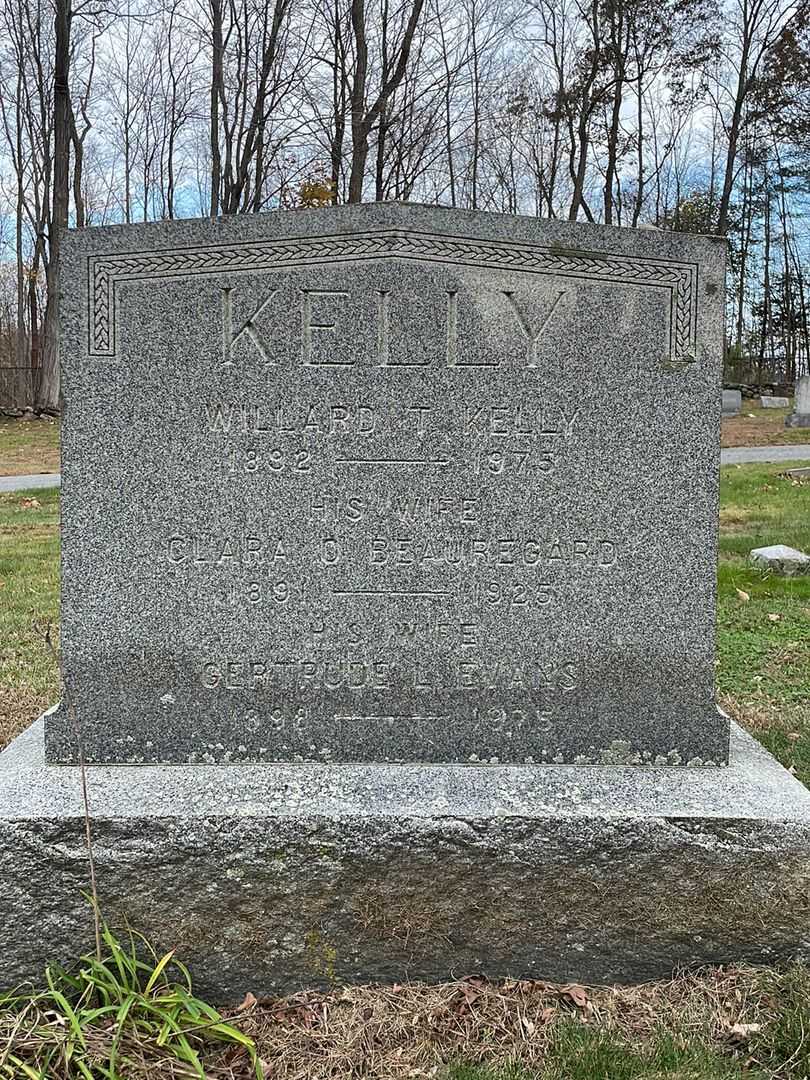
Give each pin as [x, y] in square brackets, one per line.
[316, 325]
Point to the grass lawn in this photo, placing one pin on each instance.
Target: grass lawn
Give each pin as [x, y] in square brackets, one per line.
[29, 600]
[763, 621]
[738, 1024]
[28, 446]
[756, 426]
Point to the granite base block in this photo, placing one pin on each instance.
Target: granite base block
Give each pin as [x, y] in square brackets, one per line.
[269, 878]
[798, 420]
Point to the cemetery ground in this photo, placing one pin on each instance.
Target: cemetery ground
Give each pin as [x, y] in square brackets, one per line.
[736, 1023]
[756, 426]
[28, 446]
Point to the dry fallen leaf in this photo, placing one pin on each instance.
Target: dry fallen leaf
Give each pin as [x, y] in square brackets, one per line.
[744, 596]
[773, 617]
[248, 1003]
[576, 993]
[30, 504]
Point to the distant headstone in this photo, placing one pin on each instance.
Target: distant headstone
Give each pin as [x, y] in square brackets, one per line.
[770, 401]
[399, 511]
[800, 417]
[781, 559]
[732, 402]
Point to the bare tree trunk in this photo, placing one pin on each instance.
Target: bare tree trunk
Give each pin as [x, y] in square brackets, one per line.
[363, 118]
[638, 202]
[447, 100]
[476, 150]
[20, 341]
[765, 327]
[747, 222]
[48, 390]
[217, 90]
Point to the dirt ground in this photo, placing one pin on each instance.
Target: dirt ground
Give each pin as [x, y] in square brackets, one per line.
[28, 446]
[756, 426]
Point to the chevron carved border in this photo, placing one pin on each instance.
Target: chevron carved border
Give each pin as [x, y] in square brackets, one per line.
[679, 279]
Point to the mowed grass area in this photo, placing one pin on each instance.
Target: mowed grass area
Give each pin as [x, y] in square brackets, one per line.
[28, 447]
[763, 621]
[756, 426]
[29, 601]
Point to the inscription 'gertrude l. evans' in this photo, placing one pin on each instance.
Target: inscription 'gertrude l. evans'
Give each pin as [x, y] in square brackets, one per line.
[392, 484]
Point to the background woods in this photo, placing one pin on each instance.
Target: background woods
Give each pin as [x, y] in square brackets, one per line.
[684, 114]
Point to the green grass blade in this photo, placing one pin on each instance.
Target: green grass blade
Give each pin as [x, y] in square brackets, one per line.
[71, 1017]
[153, 978]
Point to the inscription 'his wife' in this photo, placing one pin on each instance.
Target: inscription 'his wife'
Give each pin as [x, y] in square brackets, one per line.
[315, 322]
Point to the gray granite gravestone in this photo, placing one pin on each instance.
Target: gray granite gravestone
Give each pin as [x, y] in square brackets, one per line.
[800, 417]
[392, 486]
[732, 402]
[372, 516]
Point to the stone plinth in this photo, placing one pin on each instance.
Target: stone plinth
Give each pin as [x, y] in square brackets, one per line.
[267, 878]
[768, 401]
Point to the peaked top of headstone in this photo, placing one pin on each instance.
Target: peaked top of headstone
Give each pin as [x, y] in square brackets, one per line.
[403, 216]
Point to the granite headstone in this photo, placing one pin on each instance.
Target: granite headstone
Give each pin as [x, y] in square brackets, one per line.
[390, 483]
[800, 417]
[732, 402]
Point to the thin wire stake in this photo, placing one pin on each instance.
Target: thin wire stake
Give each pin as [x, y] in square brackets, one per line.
[88, 832]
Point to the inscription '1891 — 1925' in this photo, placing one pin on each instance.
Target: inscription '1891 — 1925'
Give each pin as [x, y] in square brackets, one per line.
[318, 308]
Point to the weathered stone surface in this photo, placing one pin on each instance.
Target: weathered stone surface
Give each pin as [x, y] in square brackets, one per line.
[270, 877]
[800, 417]
[392, 504]
[768, 401]
[732, 402]
[781, 559]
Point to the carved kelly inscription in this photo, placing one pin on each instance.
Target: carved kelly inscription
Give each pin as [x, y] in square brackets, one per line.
[678, 279]
[318, 318]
